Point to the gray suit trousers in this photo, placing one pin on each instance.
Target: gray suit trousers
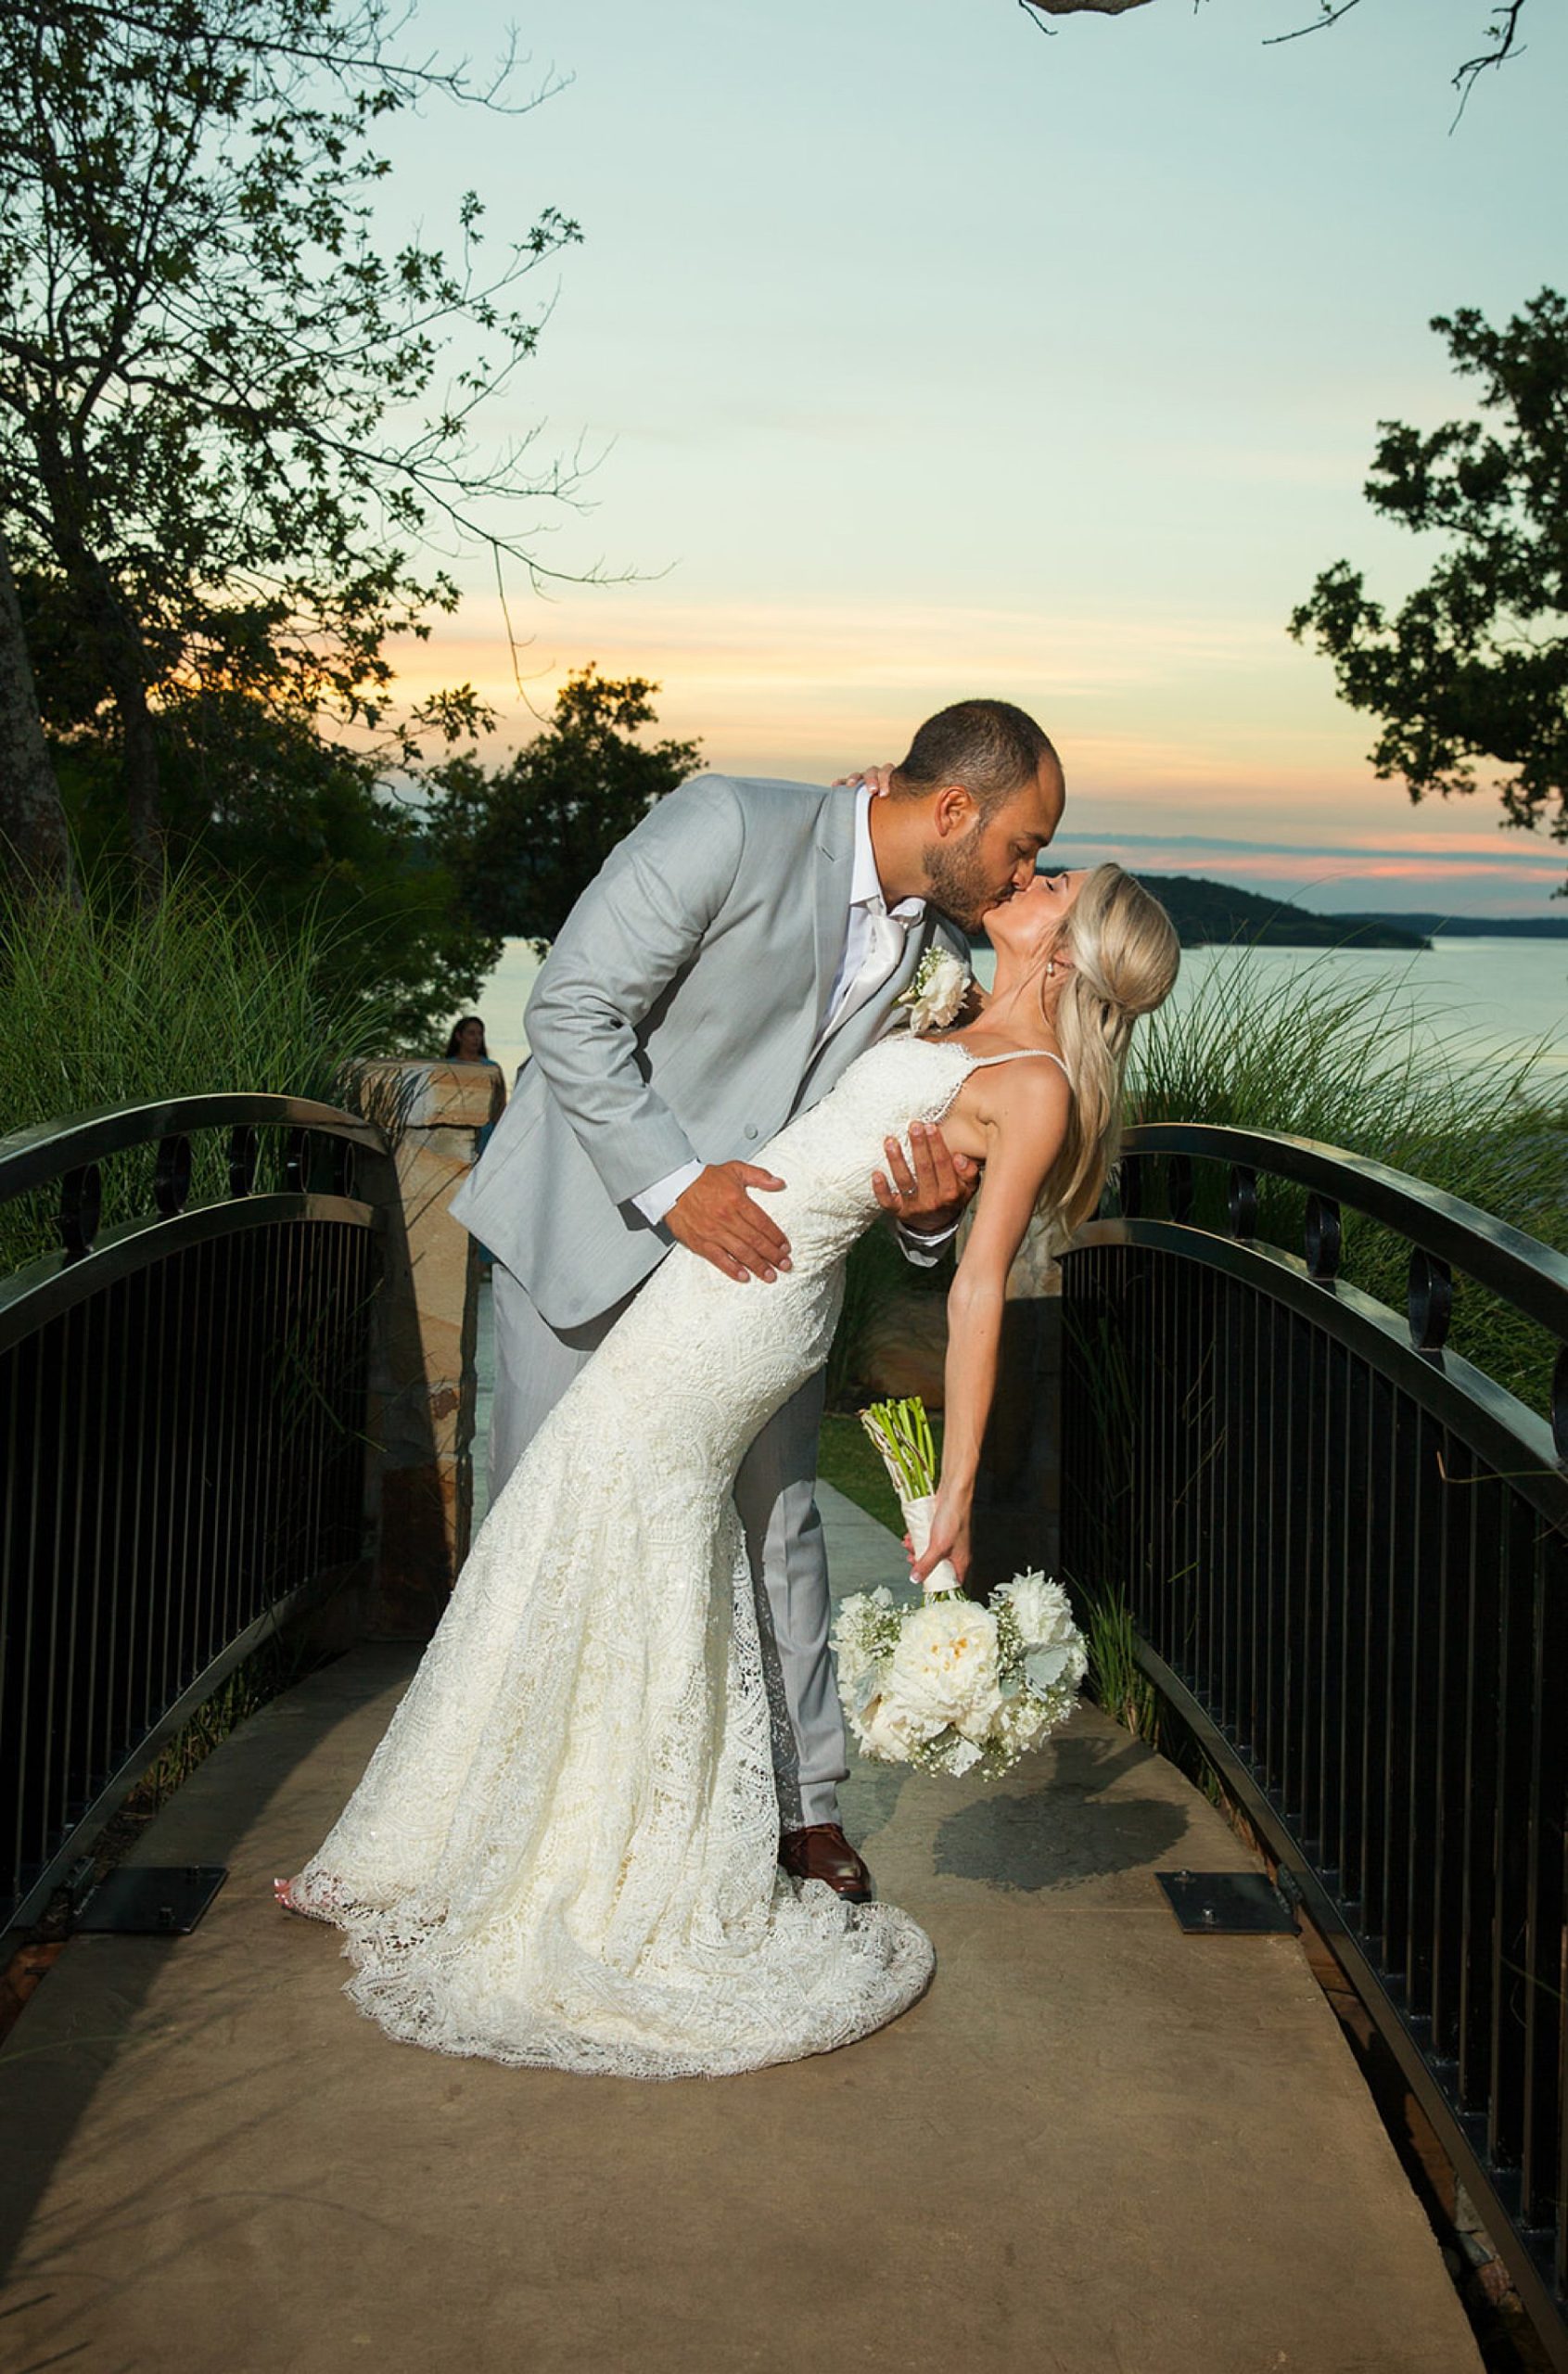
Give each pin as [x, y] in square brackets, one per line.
[776, 1493]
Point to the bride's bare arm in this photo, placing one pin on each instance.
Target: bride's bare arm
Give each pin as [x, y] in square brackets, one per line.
[1026, 1123]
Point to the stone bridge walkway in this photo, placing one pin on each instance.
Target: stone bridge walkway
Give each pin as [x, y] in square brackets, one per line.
[1097, 2147]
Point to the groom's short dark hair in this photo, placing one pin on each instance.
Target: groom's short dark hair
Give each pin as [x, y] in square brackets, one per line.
[989, 747]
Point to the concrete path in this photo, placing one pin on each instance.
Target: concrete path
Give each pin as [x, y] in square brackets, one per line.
[1097, 2147]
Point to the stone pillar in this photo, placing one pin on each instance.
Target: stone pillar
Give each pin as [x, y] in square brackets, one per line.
[422, 1378]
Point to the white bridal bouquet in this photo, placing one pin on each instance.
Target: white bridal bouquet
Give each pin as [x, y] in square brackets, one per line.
[947, 1684]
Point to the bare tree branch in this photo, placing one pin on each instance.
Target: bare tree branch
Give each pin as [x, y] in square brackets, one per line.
[1502, 42]
[1504, 45]
[1331, 16]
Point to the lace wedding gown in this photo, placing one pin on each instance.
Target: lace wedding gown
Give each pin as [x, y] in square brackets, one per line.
[563, 1852]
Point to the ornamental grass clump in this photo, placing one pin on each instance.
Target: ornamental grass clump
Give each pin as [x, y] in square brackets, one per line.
[1322, 1052]
[103, 1001]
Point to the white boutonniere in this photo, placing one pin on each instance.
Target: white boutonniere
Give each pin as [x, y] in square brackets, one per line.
[937, 990]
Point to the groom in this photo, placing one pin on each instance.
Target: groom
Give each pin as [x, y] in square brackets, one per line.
[742, 945]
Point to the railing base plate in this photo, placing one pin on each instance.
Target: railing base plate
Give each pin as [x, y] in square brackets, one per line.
[1226, 1903]
[151, 1899]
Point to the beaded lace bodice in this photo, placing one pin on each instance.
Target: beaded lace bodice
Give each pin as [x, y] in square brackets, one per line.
[563, 1849]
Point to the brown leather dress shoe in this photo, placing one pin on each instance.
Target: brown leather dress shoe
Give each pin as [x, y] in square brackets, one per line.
[821, 1851]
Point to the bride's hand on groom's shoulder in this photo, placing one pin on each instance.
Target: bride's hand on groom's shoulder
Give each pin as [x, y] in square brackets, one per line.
[717, 1218]
[879, 778]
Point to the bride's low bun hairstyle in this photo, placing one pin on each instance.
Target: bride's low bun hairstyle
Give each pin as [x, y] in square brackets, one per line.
[1124, 957]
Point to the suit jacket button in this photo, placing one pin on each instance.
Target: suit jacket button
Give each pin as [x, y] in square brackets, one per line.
[751, 1129]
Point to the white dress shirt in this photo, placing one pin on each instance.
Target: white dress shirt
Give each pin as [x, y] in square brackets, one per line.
[870, 953]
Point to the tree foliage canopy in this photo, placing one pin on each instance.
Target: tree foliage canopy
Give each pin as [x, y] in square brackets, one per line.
[525, 840]
[317, 843]
[228, 426]
[1472, 667]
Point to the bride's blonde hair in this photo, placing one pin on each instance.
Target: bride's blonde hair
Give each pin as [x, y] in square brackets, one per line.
[1124, 955]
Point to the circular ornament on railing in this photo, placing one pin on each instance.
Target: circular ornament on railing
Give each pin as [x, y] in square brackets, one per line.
[1325, 1237]
[1129, 1187]
[343, 1169]
[1428, 1301]
[297, 1162]
[1559, 1403]
[171, 1177]
[245, 1153]
[82, 1204]
[1242, 1201]
[1178, 1186]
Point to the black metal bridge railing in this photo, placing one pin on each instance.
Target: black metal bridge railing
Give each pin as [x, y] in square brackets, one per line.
[1345, 1549]
[183, 1452]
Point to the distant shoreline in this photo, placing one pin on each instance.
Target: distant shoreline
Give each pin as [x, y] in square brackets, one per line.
[1435, 927]
[1217, 915]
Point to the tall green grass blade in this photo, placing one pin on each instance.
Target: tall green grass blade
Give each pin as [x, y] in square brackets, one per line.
[105, 1002]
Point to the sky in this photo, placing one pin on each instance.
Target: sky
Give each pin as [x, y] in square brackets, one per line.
[920, 354]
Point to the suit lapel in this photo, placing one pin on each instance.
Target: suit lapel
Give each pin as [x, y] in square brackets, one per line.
[835, 844]
[864, 1027]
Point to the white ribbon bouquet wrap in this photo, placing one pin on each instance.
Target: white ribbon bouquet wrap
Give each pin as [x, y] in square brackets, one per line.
[919, 1517]
[945, 1683]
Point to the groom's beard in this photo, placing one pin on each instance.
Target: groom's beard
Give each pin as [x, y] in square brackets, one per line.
[957, 885]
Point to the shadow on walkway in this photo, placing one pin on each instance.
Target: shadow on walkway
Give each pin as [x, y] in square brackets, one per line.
[1096, 2147]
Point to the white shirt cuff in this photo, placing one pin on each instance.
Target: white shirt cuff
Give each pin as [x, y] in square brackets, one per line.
[922, 1248]
[655, 1201]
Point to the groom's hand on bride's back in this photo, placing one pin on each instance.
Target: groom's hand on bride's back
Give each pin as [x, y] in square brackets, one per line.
[716, 1218]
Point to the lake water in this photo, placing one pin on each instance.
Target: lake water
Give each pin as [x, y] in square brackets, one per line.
[1476, 995]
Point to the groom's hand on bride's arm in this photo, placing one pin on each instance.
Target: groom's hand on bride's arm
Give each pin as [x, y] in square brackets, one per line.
[928, 1191]
[716, 1218]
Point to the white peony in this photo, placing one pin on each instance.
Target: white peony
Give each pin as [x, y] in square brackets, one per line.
[1040, 1610]
[944, 1669]
[886, 1726]
[937, 990]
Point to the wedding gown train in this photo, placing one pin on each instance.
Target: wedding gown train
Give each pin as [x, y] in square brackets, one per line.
[562, 1851]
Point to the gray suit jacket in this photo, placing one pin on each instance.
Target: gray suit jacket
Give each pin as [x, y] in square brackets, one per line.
[674, 1020]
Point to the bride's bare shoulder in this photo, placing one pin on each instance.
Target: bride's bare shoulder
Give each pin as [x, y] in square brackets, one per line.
[1025, 1082]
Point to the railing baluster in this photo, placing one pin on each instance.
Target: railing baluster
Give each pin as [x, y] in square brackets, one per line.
[155, 1495]
[1375, 1625]
[1542, 2182]
[1376, 1656]
[1511, 1840]
[1484, 1557]
[1400, 1586]
[1448, 1832]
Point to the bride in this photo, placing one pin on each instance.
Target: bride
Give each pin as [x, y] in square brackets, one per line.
[563, 1852]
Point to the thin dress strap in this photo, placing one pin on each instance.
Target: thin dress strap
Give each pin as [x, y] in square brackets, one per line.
[978, 1062]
